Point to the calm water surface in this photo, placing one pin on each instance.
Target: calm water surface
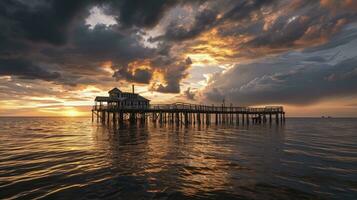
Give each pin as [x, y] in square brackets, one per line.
[63, 158]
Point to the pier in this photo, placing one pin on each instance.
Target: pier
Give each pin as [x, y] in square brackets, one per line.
[187, 114]
[122, 106]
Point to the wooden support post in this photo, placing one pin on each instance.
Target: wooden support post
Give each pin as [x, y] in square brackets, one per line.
[113, 118]
[177, 118]
[142, 117]
[131, 117]
[260, 118]
[103, 117]
[270, 120]
[186, 118]
[121, 118]
[283, 116]
[180, 118]
[231, 114]
[160, 117]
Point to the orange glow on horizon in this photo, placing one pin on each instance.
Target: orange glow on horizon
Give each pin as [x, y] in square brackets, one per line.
[72, 113]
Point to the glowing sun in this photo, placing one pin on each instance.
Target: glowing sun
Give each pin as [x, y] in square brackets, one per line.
[71, 113]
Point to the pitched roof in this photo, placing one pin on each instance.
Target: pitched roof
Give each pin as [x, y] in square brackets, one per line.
[114, 90]
[100, 98]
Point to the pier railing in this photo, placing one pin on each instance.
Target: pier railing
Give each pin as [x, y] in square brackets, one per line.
[205, 108]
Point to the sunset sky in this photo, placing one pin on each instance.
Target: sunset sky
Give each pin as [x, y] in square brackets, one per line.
[56, 56]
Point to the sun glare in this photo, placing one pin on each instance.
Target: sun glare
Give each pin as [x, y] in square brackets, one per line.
[72, 113]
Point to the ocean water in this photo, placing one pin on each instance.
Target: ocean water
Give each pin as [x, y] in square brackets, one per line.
[71, 158]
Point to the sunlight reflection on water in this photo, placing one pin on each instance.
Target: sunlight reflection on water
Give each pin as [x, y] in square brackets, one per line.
[71, 158]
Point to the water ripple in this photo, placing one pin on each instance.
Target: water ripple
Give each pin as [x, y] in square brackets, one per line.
[62, 158]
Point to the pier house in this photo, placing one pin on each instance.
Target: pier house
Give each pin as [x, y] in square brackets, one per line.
[118, 99]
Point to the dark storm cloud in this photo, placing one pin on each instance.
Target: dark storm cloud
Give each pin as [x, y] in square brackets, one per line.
[306, 24]
[203, 21]
[28, 26]
[100, 44]
[140, 13]
[50, 21]
[137, 75]
[215, 14]
[242, 9]
[43, 21]
[293, 78]
[81, 50]
[26, 70]
[53, 33]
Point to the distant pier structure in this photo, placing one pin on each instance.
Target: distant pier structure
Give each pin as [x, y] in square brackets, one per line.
[120, 107]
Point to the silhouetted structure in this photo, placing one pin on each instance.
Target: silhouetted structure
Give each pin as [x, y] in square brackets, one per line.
[120, 106]
[119, 99]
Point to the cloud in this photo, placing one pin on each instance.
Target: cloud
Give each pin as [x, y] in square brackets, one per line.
[203, 21]
[243, 9]
[155, 43]
[210, 15]
[136, 76]
[173, 74]
[138, 12]
[58, 38]
[42, 21]
[294, 77]
[26, 70]
[306, 26]
[189, 94]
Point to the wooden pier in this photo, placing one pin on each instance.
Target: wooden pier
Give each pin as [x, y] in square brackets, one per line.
[186, 114]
